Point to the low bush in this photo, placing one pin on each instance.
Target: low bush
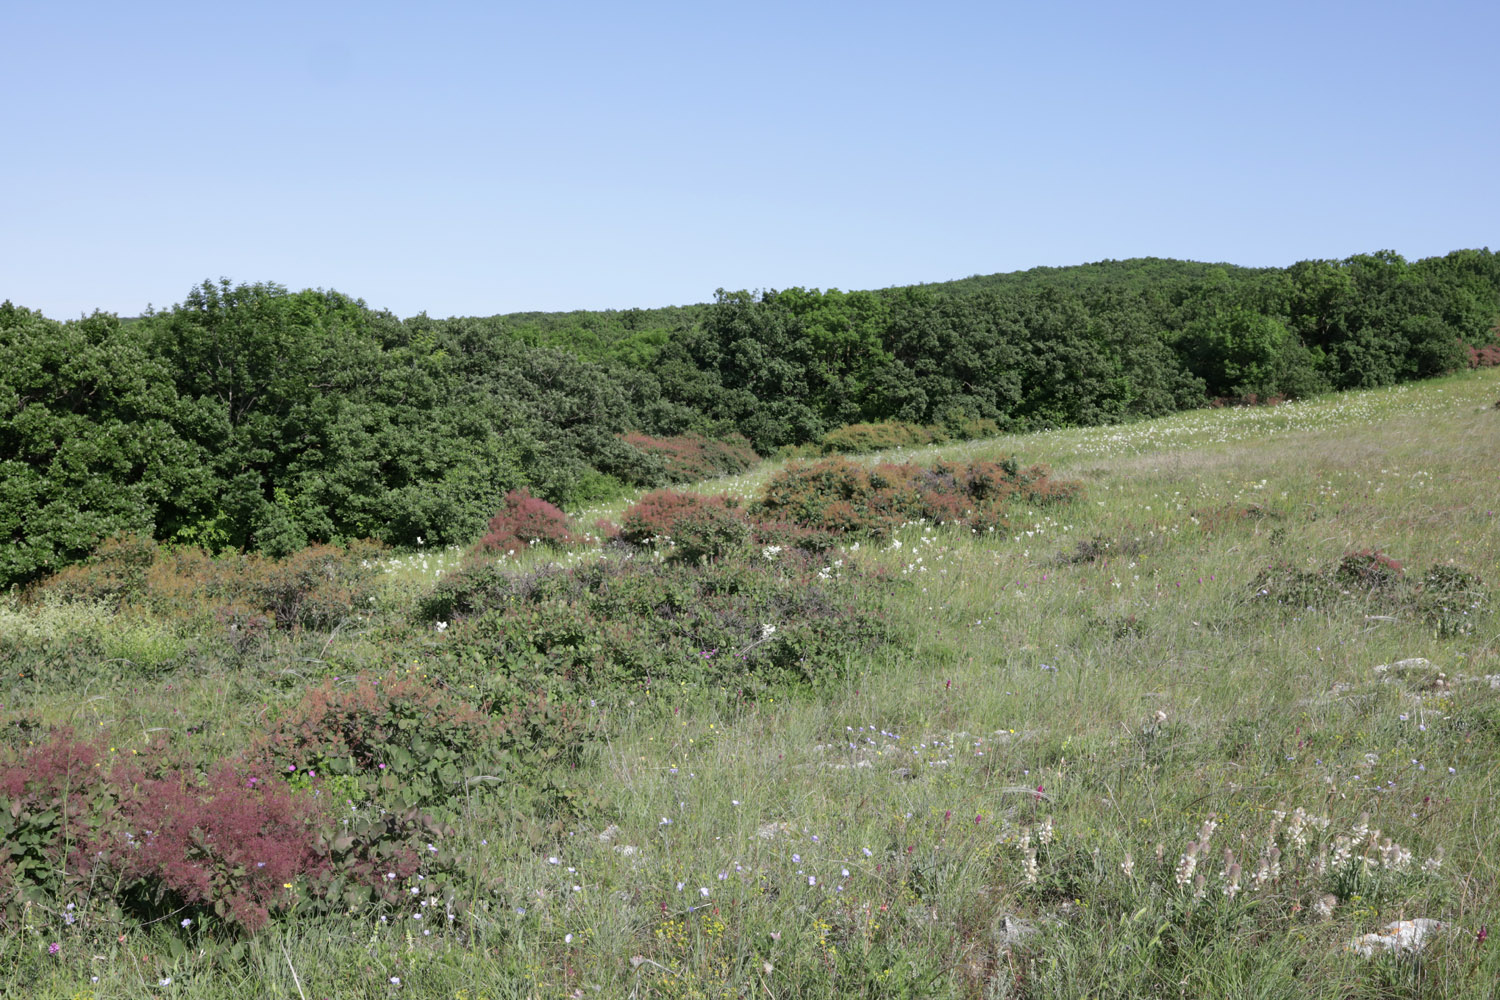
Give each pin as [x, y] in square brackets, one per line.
[315, 588]
[114, 574]
[621, 625]
[1446, 599]
[50, 809]
[81, 834]
[108, 839]
[480, 584]
[852, 439]
[526, 521]
[1368, 570]
[698, 526]
[228, 844]
[689, 457]
[1484, 357]
[397, 739]
[844, 498]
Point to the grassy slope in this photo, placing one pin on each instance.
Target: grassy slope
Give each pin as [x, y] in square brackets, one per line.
[1022, 670]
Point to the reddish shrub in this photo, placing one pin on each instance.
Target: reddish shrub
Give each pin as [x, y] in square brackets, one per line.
[524, 521]
[49, 768]
[656, 514]
[688, 457]
[115, 573]
[700, 526]
[156, 840]
[843, 498]
[317, 587]
[231, 843]
[1484, 357]
[50, 804]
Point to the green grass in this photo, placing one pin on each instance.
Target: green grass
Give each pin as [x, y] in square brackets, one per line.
[1124, 699]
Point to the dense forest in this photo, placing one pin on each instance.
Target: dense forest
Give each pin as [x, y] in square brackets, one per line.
[251, 416]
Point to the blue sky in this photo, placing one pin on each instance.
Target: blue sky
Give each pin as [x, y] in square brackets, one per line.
[478, 158]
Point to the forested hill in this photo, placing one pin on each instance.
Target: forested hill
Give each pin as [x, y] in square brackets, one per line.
[635, 335]
[252, 416]
[1134, 275]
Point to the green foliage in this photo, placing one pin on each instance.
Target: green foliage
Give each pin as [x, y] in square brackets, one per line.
[90, 439]
[256, 418]
[685, 458]
[853, 439]
[397, 739]
[319, 587]
[1243, 354]
[619, 626]
[1447, 599]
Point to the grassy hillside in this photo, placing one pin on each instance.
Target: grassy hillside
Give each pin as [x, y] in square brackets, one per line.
[1019, 775]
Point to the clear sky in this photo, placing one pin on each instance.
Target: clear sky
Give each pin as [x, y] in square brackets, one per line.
[478, 158]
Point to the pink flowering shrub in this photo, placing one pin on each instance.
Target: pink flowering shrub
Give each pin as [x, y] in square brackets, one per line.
[230, 843]
[700, 526]
[526, 520]
[80, 830]
[226, 843]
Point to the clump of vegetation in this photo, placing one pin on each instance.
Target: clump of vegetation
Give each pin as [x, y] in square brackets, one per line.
[617, 626]
[525, 521]
[685, 458]
[397, 739]
[1228, 517]
[853, 439]
[118, 838]
[1445, 598]
[1101, 550]
[1487, 356]
[317, 587]
[698, 526]
[843, 498]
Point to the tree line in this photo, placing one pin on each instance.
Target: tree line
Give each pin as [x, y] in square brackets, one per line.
[251, 416]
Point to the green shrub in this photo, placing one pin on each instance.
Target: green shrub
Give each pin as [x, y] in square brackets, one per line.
[1446, 599]
[623, 625]
[315, 588]
[853, 439]
[400, 739]
[115, 573]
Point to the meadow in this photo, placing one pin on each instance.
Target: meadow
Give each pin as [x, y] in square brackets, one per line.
[1206, 727]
